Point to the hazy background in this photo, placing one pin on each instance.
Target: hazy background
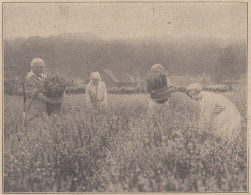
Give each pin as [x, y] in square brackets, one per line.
[126, 20]
[78, 38]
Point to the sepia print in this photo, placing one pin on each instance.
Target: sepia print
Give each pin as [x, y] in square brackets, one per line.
[125, 97]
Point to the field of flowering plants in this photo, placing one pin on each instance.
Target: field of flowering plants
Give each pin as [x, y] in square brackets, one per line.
[126, 149]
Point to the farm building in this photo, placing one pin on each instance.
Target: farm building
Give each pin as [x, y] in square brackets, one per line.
[119, 80]
[79, 82]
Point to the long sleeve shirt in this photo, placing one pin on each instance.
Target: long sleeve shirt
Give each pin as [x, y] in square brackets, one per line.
[219, 114]
[96, 95]
[33, 85]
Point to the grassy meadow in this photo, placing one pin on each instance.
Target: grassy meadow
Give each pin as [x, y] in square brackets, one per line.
[126, 149]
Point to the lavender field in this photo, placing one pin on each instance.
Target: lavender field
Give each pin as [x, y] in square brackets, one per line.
[125, 150]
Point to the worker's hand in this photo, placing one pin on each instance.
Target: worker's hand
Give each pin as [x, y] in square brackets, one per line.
[218, 109]
[181, 89]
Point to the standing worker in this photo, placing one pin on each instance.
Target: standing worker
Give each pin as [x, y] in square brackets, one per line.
[159, 87]
[96, 93]
[217, 113]
[35, 103]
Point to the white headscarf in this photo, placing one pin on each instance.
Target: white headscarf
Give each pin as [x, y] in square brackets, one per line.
[157, 68]
[37, 61]
[194, 86]
[33, 63]
[96, 76]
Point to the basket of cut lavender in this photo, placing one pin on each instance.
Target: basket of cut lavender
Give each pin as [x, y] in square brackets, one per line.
[54, 89]
[158, 89]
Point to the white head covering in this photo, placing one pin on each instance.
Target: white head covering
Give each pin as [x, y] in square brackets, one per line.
[194, 86]
[95, 75]
[36, 61]
[157, 68]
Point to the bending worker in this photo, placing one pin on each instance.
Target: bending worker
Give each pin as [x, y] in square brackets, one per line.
[218, 114]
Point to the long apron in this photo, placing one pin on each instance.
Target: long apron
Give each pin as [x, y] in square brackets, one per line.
[227, 124]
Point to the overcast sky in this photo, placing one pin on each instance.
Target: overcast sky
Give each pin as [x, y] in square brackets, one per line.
[126, 20]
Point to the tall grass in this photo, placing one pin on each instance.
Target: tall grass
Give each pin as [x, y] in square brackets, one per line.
[126, 149]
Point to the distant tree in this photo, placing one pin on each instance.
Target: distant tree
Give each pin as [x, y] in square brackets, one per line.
[77, 57]
[230, 65]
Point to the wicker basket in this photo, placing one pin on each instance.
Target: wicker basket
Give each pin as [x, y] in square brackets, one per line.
[54, 89]
[158, 89]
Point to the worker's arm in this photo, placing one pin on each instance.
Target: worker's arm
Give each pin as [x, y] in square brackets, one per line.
[31, 91]
[49, 100]
[206, 116]
[218, 109]
[105, 95]
[30, 88]
[88, 95]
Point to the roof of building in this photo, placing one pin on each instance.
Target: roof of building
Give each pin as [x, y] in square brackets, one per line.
[111, 75]
[120, 77]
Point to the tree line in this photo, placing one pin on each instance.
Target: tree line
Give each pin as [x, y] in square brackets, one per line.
[78, 56]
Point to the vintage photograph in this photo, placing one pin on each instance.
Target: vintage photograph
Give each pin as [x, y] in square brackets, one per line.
[125, 97]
